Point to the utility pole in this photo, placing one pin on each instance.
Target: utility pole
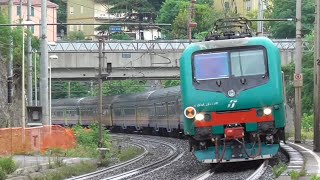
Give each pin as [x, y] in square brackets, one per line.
[29, 95]
[10, 64]
[316, 129]
[35, 79]
[191, 24]
[23, 119]
[44, 64]
[260, 17]
[100, 92]
[298, 83]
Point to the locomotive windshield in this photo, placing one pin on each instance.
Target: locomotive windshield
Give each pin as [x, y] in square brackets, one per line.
[225, 64]
[211, 66]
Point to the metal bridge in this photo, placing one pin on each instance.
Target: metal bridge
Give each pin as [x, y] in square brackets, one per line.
[133, 59]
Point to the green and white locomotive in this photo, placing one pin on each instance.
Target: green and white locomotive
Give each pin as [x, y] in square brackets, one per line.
[233, 95]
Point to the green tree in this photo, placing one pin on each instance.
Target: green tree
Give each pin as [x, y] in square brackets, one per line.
[170, 10]
[177, 13]
[16, 33]
[122, 87]
[62, 14]
[283, 9]
[179, 27]
[307, 70]
[76, 35]
[77, 89]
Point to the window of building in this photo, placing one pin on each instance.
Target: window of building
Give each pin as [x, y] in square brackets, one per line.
[71, 10]
[81, 27]
[248, 5]
[32, 11]
[71, 28]
[226, 5]
[81, 9]
[18, 10]
[32, 29]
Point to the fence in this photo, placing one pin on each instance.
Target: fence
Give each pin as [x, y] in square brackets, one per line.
[35, 139]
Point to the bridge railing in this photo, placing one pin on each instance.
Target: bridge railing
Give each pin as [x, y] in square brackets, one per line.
[136, 46]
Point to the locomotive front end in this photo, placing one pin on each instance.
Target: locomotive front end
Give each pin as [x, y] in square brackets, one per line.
[233, 101]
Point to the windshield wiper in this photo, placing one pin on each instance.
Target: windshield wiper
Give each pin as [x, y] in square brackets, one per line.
[218, 82]
[243, 81]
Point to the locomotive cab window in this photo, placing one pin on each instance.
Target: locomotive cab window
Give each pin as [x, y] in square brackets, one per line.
[230, 63]
[247, 63]
[211, 66]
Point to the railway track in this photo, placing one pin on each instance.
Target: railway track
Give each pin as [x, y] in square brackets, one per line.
[124, 170]
[254, 176]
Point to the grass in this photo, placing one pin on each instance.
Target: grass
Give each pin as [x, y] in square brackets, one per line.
[83, 152]
[279, 169]
[315, 177]
[7, 166]
[129, 153]
[306, 135]
[295, 174]
[63, 172]
[67, 172]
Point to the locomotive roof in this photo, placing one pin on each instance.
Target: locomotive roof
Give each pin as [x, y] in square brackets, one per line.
[231, 42]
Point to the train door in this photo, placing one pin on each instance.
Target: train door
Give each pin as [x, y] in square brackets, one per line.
[168, 109]
[153, 117]
[171, 113]
[129, 115]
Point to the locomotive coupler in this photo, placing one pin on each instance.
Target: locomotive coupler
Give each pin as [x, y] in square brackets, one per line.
[234, 133]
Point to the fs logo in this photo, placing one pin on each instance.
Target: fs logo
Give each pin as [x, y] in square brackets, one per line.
[232, 103]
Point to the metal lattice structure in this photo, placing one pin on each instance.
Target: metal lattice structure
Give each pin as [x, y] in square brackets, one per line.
[162, 46]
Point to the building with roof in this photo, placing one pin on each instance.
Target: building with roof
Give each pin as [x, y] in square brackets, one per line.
[240, 6]
[96, 12]
[35, 15]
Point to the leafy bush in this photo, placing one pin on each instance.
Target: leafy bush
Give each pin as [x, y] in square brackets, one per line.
[7, 165]
[90, 137]
[315, 177]
[294, 175]
[279, 169]
[3, 175]
[307, 122]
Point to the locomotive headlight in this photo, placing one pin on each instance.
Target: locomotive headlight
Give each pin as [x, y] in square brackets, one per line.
[199, 117]
[267, 111]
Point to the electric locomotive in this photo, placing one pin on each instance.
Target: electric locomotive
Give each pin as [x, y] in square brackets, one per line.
[233, 95]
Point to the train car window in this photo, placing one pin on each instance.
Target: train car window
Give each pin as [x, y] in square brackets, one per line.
[171, 109]
[211, 66]
[161, 111]
[247, 63]
[129, 112]
[117, 112]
